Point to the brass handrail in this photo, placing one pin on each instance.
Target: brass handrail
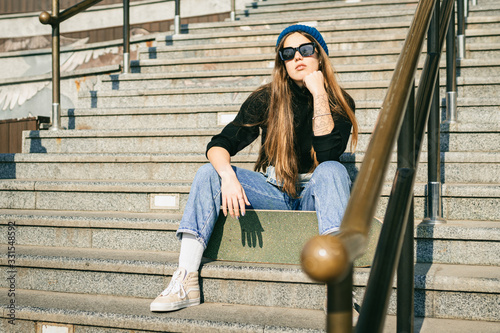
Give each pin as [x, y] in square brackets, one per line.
[368, 185]
[55, 19]
[329, 258]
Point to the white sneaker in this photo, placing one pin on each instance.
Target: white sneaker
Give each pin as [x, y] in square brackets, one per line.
[182, 291]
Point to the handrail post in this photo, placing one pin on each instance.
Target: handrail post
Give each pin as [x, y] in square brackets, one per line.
[466, 8]
[56, 70]
[233, 10]
[126, 36]
[433, 133]
[451, 72]
[339, 305]
[177, 17]
[387, 254]
[406, 270]
[461, 30]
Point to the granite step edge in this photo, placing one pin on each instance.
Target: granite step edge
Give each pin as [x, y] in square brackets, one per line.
[453, 190]
[430, 276]
[91, 219]
[358, 157]
[451, 230]
[150, 262]
[133, 313]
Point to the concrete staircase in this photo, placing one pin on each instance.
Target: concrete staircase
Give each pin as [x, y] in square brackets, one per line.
[92, 247]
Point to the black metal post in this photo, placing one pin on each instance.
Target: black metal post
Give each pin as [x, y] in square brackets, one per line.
[406, 269]
[339, 305]
[387, 254]
[461, 29]
[433, 133]
[451, 72]
[126, 36]
[56, 70]
[177, 17]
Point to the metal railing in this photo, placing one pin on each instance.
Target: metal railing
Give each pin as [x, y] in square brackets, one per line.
[55, 19]
[403, 117]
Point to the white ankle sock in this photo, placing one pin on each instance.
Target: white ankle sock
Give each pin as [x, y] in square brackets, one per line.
[191, 253]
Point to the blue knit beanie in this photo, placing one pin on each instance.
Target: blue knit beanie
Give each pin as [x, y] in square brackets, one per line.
[307, 29]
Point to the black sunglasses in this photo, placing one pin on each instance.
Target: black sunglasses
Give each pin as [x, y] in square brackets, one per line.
[305, 50]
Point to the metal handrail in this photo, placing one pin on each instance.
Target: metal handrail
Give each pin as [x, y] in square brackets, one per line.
[329, 258]
[55, 19]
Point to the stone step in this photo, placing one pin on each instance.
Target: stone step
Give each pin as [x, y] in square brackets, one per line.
[217, 116]
[244, 64]
[474, 21]
[488, 35]
[487, 8]
[194, 116]
[484, 10]
[123, 141]
[224, 94]
[482, 51]
[339, 20]
[458, 242]
[481, 71]
[327, 8]
[95, 313]
[350, 40]
[456, 137]
[460, 201]
[448, 243]
[343, 22]
[471, 86]
[338, 56]
[340, 53]
[225, 73]
[361, 90]
[337, 44]
[143, 274]
[456, 167]
[280, 4]
[146, 273]
[95, 230]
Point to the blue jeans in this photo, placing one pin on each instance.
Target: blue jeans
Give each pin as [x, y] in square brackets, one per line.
[327, 193]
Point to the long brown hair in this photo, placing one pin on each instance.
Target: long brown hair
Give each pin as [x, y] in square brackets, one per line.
[278, 148]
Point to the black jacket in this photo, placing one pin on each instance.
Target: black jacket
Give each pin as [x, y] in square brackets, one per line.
[235, 137]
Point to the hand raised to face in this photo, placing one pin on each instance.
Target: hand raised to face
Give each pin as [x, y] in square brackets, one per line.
[315, 83]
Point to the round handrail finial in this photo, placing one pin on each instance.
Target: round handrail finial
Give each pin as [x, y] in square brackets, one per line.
[324, 259]
[45, 18]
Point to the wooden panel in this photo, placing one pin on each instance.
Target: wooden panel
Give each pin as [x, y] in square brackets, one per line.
[16, 129]
[4, 137]
[11, 132]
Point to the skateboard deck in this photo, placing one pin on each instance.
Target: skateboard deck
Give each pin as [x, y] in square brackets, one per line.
[267, 237]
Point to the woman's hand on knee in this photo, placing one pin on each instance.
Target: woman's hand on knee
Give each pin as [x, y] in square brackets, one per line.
[234, 198]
